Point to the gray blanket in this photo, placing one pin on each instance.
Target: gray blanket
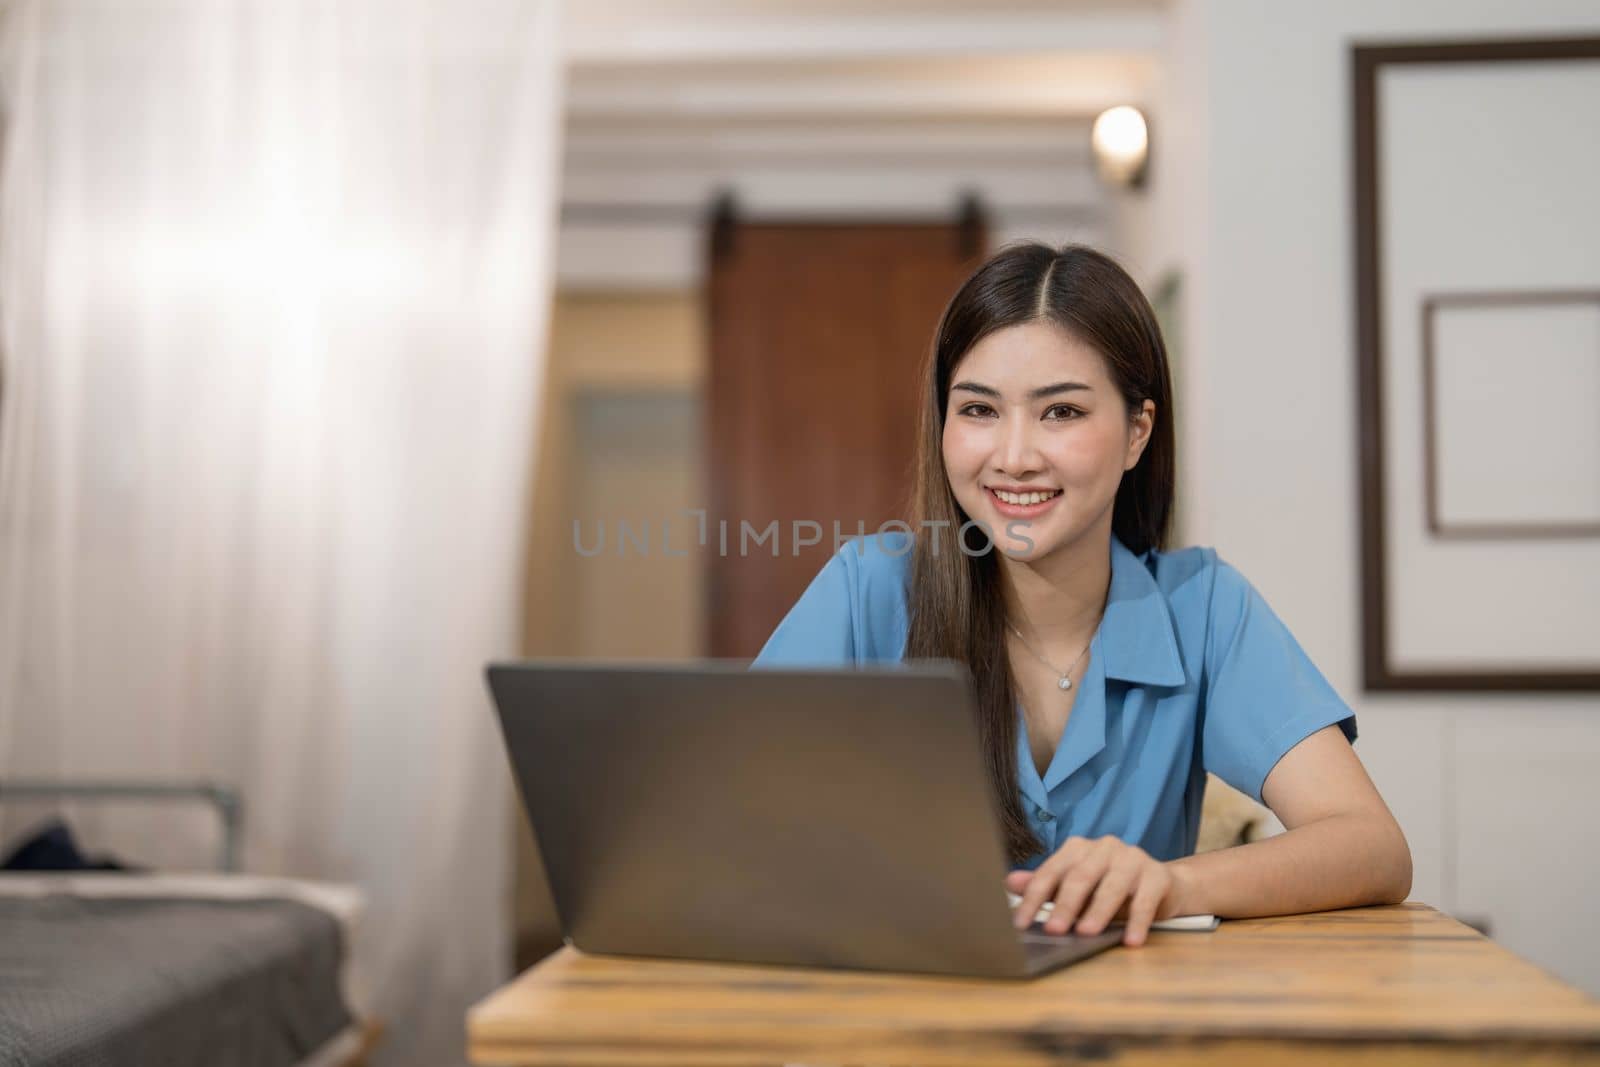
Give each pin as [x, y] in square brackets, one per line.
[96, 982]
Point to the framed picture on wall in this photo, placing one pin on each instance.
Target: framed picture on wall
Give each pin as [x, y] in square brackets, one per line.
[1477, 239]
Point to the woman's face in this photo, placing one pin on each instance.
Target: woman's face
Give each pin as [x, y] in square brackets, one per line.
[1037, 436]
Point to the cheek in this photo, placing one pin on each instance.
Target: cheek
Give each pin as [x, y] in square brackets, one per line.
[1089, 459]
[963, 452]
[1100, 461]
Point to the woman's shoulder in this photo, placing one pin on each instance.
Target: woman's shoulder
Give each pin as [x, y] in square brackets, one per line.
[1199, 583]
[1207, 591]
[877, 566]
[854, 610]
[1182, 569]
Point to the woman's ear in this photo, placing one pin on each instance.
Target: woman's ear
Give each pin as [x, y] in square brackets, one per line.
[1140, 425]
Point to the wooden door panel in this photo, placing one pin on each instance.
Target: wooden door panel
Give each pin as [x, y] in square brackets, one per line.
[818, 334]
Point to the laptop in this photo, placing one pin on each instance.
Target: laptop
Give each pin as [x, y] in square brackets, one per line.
[814, 817]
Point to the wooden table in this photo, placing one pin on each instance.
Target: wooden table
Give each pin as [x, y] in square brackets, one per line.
[1402, 984]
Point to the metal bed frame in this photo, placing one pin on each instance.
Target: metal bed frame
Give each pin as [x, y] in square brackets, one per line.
[226, 801]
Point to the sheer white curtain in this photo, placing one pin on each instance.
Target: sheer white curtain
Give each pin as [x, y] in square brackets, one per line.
[273, 287]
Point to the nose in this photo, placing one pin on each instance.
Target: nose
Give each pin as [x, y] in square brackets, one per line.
[1017, 454]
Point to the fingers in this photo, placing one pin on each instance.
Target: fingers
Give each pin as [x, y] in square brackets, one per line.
[1076, 888]
[1118, 882]
[1046, 879]
[1142, 911]
[1091, 884]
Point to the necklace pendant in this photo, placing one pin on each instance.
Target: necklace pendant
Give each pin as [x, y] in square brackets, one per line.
[1065, 683]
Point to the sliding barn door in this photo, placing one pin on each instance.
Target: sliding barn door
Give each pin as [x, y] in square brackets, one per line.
[818, 334]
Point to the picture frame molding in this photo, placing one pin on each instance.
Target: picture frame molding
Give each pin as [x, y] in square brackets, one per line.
[1366, 63]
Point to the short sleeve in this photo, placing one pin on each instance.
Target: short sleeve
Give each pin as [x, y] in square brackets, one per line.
[1263, 694]
[819, 631]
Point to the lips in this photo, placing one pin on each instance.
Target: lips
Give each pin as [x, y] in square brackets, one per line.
[1021, 511]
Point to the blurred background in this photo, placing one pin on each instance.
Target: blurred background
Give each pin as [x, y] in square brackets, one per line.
[333, 335]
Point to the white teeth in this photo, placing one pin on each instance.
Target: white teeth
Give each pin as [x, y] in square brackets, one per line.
[1025, 498]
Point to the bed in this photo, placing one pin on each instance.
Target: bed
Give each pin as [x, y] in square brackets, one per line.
[213, 968]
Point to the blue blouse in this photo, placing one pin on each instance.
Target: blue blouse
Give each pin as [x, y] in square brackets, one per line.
[1189, 671]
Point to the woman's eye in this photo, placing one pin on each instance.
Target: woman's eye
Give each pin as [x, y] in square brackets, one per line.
[976, 409]
[1062, 412]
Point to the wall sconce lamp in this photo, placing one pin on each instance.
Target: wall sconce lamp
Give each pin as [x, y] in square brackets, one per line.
[1121, 144]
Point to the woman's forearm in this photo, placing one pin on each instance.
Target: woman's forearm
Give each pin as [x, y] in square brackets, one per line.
[1341, 861]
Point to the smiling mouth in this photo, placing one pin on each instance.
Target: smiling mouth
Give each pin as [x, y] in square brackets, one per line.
[1032, 498]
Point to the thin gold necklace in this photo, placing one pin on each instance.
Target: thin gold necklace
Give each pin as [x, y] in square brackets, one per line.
[1065, 681]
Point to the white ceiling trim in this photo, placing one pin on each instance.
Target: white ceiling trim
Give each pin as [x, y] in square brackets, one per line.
[598, 36]
[1032, 85]
[1066, 98]
[1051, 141]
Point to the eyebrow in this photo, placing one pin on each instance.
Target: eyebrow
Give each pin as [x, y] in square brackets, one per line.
[1039, 393]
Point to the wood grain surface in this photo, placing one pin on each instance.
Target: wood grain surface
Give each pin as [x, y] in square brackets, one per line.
[1402, 984]
[817, 337]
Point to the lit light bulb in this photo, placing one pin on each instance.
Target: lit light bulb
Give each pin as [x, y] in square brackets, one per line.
[1121, 141]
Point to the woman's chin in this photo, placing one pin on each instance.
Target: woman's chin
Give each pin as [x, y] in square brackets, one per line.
[1022, 549]
[1021, 539]
[1029, 542]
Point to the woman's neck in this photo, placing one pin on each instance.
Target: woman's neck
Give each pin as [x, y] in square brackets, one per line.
[1058, 600]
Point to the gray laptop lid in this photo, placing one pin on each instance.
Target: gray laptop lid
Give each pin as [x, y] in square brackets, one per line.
[834, 818]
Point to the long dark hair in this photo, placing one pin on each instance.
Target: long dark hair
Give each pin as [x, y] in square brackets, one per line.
[956, 605]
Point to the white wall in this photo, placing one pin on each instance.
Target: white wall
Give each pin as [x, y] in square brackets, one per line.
[1496, 792]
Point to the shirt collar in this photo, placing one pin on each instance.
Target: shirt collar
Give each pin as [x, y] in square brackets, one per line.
[1135, 643]
[1137, 639]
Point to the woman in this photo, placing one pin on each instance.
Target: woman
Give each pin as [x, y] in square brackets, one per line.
[1110, 674]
